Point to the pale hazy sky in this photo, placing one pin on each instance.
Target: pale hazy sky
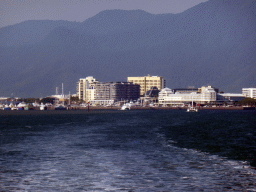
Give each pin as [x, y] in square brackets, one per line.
[16, 11]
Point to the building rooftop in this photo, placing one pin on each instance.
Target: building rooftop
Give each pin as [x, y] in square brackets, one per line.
[232, 94]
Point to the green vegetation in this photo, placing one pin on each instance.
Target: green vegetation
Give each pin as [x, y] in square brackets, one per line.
[75, 100]
[28, 100]
[248, 101]
[31, 100]
[47, 100]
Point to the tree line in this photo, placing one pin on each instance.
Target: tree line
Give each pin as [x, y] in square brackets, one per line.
[47, 100]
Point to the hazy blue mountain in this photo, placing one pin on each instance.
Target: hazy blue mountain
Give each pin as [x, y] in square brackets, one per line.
[106, 22]
[117, 21]
[212, 43]
[30, 32]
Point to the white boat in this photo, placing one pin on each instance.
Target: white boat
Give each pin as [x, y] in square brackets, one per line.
[14, 108]
[42, 107]
[35, 104]
[83, 105]
[21, 105]
[192, 108]
[7, 108]
[60, 107]
[126, 106]
[48, 104]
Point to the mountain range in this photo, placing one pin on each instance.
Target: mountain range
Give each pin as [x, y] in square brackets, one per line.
[212, 43]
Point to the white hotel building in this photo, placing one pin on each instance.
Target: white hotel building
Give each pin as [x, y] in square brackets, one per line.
[203, 95]
[83, 85]
[249, 92]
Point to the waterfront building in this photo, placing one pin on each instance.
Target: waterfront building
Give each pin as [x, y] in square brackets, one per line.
[4, 98]
[82, 85]
[147, 82]
[153, 92]
[90, 95]
[185, 90]
[125, 91]
[208, 94]
[106, 93]
[249, 92]
[203, 95]
[150, 96]
[99, 94]
[229, 97]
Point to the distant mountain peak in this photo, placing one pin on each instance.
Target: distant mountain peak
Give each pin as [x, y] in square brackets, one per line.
[119, 15]
[122, 12]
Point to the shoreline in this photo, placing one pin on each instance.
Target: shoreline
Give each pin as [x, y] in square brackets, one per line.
[93, 110]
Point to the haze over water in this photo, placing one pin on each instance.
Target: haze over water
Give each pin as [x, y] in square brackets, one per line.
[141, 150]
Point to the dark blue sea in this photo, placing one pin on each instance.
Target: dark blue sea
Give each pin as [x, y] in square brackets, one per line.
[140, 150]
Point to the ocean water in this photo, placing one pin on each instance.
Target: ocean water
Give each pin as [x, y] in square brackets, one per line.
[140, 150]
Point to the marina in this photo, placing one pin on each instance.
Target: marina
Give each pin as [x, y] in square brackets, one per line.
[46, 110]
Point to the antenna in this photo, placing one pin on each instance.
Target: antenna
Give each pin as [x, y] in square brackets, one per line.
[62, 91]
[56, 90]
[69, 97]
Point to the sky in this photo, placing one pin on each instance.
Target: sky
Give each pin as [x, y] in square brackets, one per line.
[16, 11]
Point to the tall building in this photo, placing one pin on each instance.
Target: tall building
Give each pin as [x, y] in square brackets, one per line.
[83, 84]
[249, 92]
[147, 82]
[101, 94]
[104, 93]
[125, 91]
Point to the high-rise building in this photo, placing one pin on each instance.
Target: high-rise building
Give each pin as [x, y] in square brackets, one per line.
[249, 92]
[103, 93]
[147, 82]
[124, 91]
[83, 84]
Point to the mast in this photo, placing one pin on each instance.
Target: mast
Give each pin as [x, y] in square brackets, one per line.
[69, 97]
[62, 91]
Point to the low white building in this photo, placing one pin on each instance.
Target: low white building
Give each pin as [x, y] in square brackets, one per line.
[4, 98]
[249, 92]
[203, 95]
[229, 97]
